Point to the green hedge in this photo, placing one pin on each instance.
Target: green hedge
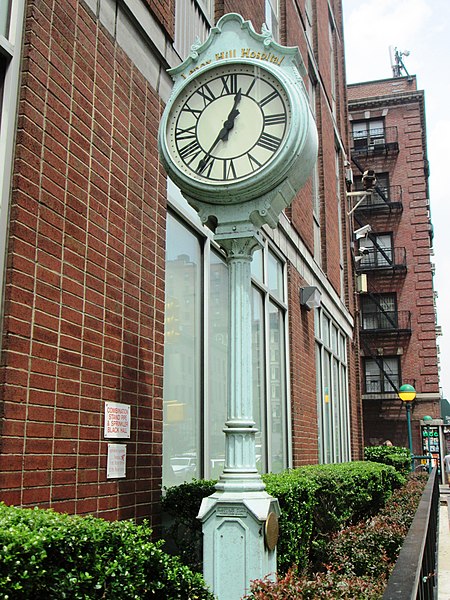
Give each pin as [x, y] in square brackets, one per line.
[359, 558]
[396, 456]
[315, 501]
[44, 554]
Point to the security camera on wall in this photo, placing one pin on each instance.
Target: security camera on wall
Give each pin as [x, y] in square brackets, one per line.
[362, 231]
[369, 180]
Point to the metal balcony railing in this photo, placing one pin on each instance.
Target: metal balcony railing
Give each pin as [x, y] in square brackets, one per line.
[386, 322]
[414, 574]
[383, 259]
[375, 141]
[379, 384]
[383, 199]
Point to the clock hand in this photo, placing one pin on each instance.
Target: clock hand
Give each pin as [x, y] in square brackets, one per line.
[223, 133]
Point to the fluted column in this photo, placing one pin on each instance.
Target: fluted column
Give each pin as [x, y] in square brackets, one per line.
[240, 471]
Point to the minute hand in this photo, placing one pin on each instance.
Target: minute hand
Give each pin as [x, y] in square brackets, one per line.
[223, 133]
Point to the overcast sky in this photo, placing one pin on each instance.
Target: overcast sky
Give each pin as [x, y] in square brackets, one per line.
[423, 28]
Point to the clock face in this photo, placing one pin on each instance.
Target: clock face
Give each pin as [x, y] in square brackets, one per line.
[228, 124]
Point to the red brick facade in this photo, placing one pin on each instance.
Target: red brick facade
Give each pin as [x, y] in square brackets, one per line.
[84, 303]
[398, 102]
[83, 311]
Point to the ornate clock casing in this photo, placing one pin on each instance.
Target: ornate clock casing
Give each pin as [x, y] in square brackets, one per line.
[238, 128]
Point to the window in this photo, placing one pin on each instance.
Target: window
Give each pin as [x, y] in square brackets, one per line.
[368, 134]
[337, 164]
[2, 83]
[269, 360]
[196, 356]
[11, 32]
[331, 34]
[193, 18]
[379, 312]
[382, 375]
[382, 193]
[379, 251]
[315, 184]
[309, 21]
[272, 18]
[332, 390]
[5, 16]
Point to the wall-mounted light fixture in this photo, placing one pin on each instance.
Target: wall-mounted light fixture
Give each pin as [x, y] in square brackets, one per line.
[310, 297]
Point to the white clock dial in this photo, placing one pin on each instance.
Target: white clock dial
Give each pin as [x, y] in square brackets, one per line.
[228, 124]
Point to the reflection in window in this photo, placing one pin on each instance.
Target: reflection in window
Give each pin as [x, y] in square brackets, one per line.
[259, 382]
[272, 18]
[382, 375]
[269, 365]
[217, 357]
[196, 358]
[332, 391]
[5, 15]
[192, 19]
[182, 355]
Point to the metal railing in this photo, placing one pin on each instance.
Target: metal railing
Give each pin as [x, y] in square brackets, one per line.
[375, 141]
[382, 259]
[414, 574]
[389, 198]
[383, 322]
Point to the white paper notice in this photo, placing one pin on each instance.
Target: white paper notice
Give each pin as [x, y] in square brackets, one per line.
[117, 420]
[117, 461]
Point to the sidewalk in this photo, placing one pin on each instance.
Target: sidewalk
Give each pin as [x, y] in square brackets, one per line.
[443, 566]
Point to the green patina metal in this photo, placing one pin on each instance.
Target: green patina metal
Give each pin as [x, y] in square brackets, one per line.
[238, 138]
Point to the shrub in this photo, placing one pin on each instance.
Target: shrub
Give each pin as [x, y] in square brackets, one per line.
[359, 558]
[315, 502]
[396, 456]
[329, 585]
[182, 503]
[44, 554]
[371, 547]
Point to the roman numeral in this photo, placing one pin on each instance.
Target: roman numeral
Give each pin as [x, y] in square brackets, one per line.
[268, 99]
[250, 87]
[230, 84]
[268, 141]
[229, 169]
[277, 119]
[255, 164]
[205, 165]
[195, 112]
[185, 134]
[206, 93]
[190, 151]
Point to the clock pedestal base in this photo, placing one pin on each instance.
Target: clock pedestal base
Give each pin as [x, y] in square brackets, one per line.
[240, 520]
[239, 537]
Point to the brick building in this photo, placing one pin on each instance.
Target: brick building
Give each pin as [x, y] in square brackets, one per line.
[113, 291]
[397, 315]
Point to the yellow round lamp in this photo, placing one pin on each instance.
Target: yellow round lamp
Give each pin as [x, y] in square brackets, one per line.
[407, 393]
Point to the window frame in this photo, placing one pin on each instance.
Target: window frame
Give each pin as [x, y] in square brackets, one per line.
[260, 283]
[334, 424]
[381, 387]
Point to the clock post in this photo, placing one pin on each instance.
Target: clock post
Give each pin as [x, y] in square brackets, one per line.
[237, 136]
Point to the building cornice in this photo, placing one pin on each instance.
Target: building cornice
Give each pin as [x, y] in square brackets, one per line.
[394, 99]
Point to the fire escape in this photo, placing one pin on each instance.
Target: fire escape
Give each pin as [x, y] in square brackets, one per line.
[382, 327]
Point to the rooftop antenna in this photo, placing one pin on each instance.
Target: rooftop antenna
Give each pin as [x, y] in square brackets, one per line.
[397, 63]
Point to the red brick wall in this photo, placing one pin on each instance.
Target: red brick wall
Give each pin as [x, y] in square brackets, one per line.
[381, 87]
[303, 376]
[84, 306]
[164, 11]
